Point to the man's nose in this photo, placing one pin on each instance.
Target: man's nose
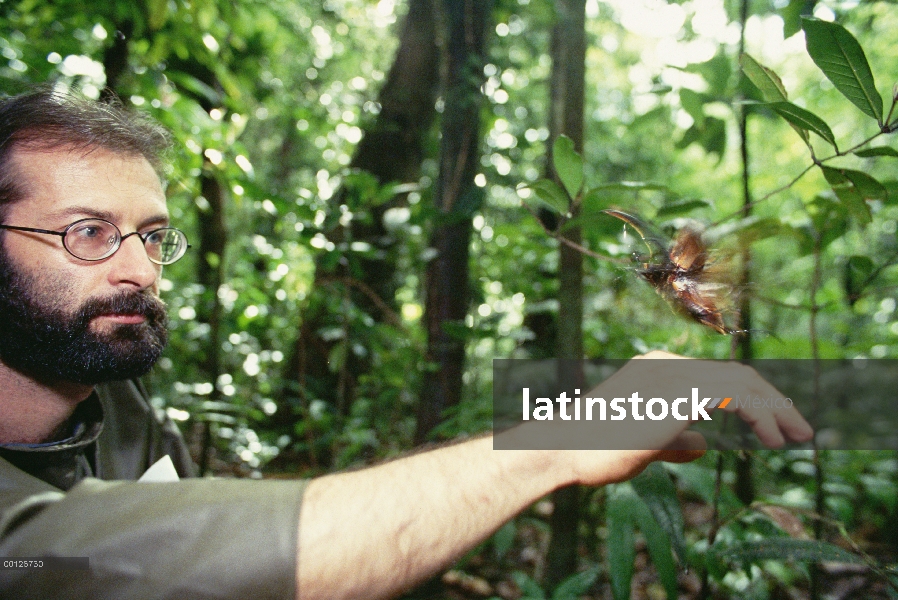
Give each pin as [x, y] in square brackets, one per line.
[131, 266]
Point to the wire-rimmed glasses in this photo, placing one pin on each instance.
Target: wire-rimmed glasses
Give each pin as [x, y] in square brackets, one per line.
[96, 239]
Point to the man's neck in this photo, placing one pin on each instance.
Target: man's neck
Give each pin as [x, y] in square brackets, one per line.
[35, 412]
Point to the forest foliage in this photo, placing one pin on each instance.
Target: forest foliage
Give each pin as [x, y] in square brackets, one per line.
[300, 341]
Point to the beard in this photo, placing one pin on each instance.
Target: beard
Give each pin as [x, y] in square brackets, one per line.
[40, 338]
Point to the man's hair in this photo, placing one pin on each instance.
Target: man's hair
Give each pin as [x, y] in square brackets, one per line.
[46, 119]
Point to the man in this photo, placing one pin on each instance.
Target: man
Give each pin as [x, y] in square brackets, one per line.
[84, 234]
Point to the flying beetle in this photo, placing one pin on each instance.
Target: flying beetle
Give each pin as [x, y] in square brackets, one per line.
[678, 272]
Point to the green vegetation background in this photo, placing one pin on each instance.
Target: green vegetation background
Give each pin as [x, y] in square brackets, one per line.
[268, 101]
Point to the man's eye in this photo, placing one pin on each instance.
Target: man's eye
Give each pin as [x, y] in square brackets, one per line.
[92, 232]
[87, 232]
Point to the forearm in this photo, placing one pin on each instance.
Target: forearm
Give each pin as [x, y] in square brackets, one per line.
[376, 532]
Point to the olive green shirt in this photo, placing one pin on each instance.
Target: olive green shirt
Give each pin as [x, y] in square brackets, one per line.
[195, 538]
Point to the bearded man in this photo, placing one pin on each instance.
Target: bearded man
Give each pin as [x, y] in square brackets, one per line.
[84, 235]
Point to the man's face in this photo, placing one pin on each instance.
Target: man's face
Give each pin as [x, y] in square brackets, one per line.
[63, 319]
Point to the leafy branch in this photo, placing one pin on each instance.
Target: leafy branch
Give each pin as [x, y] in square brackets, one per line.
[842, 60]
[570, 197]
[797, 546]
[556, 234]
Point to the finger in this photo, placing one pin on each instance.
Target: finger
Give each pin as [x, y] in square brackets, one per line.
[765, 426]
[794, 426]
[774, 427]
[788, 423]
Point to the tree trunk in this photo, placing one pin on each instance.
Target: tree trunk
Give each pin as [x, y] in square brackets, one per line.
[392, 150]
[456, 198]
[745, 486]
[210, 273]
[115, 59]
[566, 117]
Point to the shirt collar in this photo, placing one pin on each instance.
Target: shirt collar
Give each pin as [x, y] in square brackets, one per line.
[85, 426]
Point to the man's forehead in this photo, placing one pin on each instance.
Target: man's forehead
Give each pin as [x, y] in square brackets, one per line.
[94, 182]
[39, 160]
[85, 210]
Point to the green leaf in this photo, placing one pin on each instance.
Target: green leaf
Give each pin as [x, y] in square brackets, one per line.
[693, 134]
[632, 186]
[657, 490]
[528, 587]
[458, 330]
[805, 120]
[714, 136]
[693, 103]
[710, 134]
[621, 542]
[785, 549]
[869, 188]
[576, 585]
[337, 357]
[830, 221]
[659, 546]
[717, 72]
[877, 151]
[701, 480]
[212, 259]
[866, 186]
[594, 200]
[681, 207]
[766, 80]
[503, 539]
[842, 60]
[550, 195]
[747, 231]
[195, 87]
[891, 186]
[568, 165]
[627, 508]
[791, 15]
[848, 193]
[856, 276]
[157, 11]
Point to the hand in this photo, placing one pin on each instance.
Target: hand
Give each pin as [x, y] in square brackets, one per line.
[669, 439]
[774, 426]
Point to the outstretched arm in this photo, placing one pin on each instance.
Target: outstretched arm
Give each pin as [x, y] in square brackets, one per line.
[376, 532]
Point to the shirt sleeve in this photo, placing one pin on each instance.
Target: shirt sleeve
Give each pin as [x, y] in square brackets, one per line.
[193, 539]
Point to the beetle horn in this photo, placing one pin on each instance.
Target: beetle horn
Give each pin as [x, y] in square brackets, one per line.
[652, 242]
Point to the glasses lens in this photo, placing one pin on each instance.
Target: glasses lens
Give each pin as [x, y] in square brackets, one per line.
[92, 239]
[165, 246]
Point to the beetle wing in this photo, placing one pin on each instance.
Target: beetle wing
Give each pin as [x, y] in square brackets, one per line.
[689, 252]
[699, 302]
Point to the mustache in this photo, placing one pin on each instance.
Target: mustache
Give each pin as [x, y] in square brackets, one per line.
[130, 303]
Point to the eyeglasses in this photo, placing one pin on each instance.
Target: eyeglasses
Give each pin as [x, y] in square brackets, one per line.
[96, 239]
